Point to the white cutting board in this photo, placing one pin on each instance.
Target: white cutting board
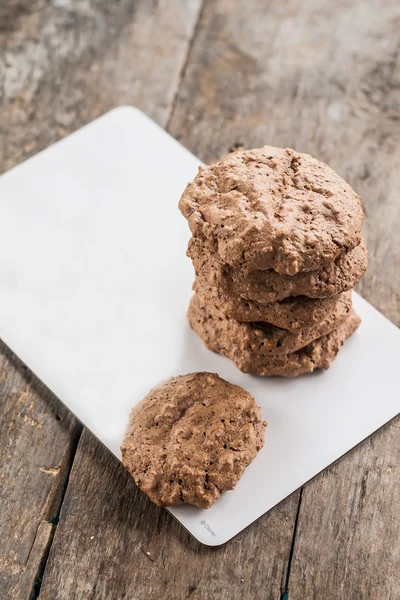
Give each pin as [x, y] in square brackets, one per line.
[94, 288]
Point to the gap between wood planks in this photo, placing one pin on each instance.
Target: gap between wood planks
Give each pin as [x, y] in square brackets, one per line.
[285, 587]
[37, 584]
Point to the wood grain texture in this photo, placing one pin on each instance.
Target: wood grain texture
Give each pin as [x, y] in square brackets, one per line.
[323, 78]
[37, 439]
[64, 63]
[113, 543]
[347, 542]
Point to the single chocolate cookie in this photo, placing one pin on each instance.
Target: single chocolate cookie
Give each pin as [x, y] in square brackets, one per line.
[318, 354]
[273, 209]
[249, 344]
[293, 313]
[191, 438]
[268, 286]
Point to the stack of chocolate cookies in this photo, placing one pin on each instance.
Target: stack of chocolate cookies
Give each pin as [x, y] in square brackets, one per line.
[277, 248]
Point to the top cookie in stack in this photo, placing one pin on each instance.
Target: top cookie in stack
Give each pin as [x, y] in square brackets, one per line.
[277, 241]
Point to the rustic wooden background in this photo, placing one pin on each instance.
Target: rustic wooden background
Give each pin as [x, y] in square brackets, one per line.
[322, 77]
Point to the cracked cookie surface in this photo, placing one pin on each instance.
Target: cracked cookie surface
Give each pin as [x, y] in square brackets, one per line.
[273, 208]
[191, 438]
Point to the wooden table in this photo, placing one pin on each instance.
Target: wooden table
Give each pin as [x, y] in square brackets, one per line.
[322, 77]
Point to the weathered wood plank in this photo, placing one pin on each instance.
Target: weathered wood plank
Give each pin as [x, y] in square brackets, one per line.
[325, 79]
[62, 64]
[38, 437]
[113, 543]
[347, 542]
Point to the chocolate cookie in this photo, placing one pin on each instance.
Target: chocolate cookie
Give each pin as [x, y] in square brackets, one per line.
[293, 313]
[191, 438]
[268, 286]
[250, 344]
[273, 209]
[318, 354]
